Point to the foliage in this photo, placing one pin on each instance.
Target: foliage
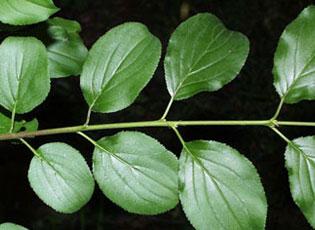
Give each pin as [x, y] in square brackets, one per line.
[212, 181]
[11, 226]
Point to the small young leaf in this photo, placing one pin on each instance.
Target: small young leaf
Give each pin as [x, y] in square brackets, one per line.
[137, 173]
[61, 29]
[29, 126]
[300, 162]
[220, 188]
[5, 125]
[11, 226]
[67, 53]
[66, 58]
[24, 80]
[203, 55]
[61, 177]
[119, 66]
[25, 12]
[294, 62]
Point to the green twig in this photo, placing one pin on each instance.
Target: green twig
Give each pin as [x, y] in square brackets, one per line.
[142, 124]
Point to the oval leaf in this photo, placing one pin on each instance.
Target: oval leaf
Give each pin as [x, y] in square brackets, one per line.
[61, 178]
[24, 80]
[118, 67]
[67, 53]
[26, 12]
[300, 162]
[220, 188]
[136, 172]
[11, 226]
[294, 62]
[203, 55]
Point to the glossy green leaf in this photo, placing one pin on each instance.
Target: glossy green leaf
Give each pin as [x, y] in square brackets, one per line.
[119, 66]
[61, 177]
[220, 188]
[300, 162]
[24, 80]
[294, 62]
[203, 55]
[67, 53]
[11, 226]
[25, 12]
[5, 125]
[136, 172]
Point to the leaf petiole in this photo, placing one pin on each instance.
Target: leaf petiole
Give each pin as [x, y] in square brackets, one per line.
[168, 108]
[30, 148]
[275, 116]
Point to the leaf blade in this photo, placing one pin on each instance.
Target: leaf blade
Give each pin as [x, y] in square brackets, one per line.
[117, 59]
[67, 53]
[217, 182]
[294, 60]
[203, 55]
[26, 12]
[61, 178]
[299, 158]
[11, 226]
[136, 172]
[24, 80]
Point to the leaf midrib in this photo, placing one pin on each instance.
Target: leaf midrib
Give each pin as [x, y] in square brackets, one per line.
[103, 84]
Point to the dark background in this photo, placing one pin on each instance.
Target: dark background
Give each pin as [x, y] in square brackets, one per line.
[250, 96]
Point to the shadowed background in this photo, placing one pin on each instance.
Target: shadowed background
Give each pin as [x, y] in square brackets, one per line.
[250, 96]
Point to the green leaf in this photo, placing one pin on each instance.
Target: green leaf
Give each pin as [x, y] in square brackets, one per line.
[11, 226]
[300, 162]
[220, 188]
[26, 12]
[61, 29]
[61, 177]
[29, 126]
[137, 173]
[66, 58]
[203, 55]
[119, 66]
[5, 125]
[67, 53]
[294, 62]
[24, 80]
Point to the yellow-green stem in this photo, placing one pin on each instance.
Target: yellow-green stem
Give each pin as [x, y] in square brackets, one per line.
[158, 123]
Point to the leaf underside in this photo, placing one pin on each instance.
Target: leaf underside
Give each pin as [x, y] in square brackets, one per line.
[137, 173]
[11, 226]
[61, 178]
[300, 163]
[220, 188]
